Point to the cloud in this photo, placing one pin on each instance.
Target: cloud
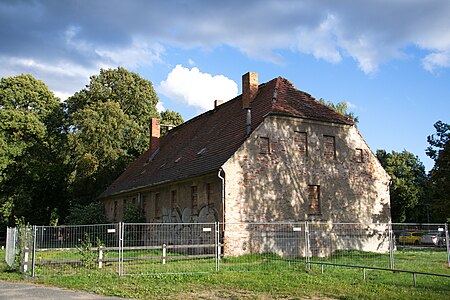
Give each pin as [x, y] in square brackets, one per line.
[80, 39]
[197, 89]
[436, 60]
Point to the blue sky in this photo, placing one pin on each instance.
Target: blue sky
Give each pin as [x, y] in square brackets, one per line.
[390, 60]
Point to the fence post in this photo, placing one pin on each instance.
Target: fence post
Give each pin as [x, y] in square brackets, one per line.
[100, 257]
[25, 259]
[307, 246]
[33, 256]
[447, 244]
[391, 246]
[121, 229]
[164, 250]
[217, 242]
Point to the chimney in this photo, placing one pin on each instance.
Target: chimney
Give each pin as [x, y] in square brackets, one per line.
[217, 103]
[249, 88]
[155, 133]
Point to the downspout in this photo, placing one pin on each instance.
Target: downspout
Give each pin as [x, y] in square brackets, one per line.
[223, 194]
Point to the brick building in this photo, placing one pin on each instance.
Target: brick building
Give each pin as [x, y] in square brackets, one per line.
[272, 154]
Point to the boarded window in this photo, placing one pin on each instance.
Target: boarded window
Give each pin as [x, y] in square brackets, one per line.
[157, 205]
[194, 197]
[173, 199]
[209, 194]
[314, 199]
[301, 142]
[329, 146]
[359, 155]
[264, 145]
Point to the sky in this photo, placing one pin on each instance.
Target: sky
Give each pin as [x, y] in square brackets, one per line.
[388, 59]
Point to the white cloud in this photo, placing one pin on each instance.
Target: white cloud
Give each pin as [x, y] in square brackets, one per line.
[191, 62]
[436, 60]
[197, 89]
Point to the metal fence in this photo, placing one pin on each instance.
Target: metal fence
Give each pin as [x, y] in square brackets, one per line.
[162, 248]
[11, 249]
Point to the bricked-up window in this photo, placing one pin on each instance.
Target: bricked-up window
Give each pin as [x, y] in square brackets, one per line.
[157, 205]
[194, 197]
[329, 146]
[173, 199]
[208, 194]
[314, 199]
[264, 145]
[301, 141]
[359, 155]
[115, 210]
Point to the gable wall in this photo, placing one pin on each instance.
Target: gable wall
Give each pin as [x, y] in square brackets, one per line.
[273, 187]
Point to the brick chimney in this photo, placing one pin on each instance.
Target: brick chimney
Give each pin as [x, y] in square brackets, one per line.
[155, 133]
[249, 88]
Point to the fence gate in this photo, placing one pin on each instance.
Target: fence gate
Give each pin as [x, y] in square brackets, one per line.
[169, 248]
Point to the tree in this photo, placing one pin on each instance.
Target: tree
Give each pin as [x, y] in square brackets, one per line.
[439, 151]
[108, 125]
[169, 117]
[342, 108]
[32, 173]
[408, 187]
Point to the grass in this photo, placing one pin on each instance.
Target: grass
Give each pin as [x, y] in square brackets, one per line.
[274, 279]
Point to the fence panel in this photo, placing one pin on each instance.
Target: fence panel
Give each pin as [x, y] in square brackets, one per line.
[263, 246]
[11, 246]
[353, 244]
[427, 239]
[169, 248]
[76, 249]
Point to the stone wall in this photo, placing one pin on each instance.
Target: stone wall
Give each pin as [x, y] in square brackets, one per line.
[270, 178]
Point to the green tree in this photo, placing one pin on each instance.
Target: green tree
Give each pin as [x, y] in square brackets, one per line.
[93, 213]
[169, 117]
[32, 173]
[108, 125]
[439, 151]
[408, 187]
[342, 108]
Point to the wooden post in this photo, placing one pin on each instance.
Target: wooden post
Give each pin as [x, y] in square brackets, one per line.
[100, 257]
[25, 260]
[164, 254]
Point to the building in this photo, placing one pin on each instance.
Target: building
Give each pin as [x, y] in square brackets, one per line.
[272, 154]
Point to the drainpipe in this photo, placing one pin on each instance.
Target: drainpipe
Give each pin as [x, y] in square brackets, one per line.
[223, 193]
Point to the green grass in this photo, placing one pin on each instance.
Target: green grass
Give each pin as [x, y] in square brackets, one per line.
[274, 279]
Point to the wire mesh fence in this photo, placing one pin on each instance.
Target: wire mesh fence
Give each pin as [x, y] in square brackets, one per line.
[263, 246]
[162, 248]
[169, 248]
[75, 249]
[11, 246]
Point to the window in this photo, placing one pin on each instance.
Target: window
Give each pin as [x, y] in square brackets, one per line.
[194, 198]
[301, 141]
[359, 155]
[264, 145]
[115, 210]
[208, 193]
[173, 199]
[329, 146]
[314, 199]
[157, 209]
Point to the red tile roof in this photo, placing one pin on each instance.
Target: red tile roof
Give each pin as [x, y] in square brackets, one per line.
[219, 132]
